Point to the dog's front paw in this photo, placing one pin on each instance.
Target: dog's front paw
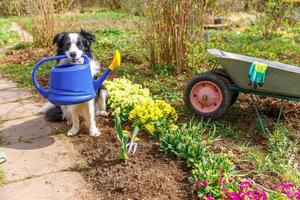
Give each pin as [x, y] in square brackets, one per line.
[95, 133]
[102, 113]
[72, 132]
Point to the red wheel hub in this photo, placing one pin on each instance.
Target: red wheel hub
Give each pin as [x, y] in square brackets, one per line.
[206, 96]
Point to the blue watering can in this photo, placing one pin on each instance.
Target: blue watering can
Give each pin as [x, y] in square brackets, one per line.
[72, 83]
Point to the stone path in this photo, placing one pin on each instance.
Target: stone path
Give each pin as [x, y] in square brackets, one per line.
[24, 36]
[39, 165]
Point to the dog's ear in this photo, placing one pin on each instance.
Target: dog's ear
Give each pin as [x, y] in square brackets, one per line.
[88, 36]
[58, 38]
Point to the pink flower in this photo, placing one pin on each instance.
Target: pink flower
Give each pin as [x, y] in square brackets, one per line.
[205, 183]
[287, 188]
[248, 195]
[260, 195]
[245, 185]
[233, 196]
[198, 183]
[297, 194]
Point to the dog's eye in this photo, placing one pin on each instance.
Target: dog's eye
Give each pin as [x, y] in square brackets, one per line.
[67, 44]
[79, 44]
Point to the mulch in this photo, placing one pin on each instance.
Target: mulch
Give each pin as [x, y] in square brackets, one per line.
[148, 174]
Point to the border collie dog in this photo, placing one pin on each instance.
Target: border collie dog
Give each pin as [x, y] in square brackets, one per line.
[73, 45]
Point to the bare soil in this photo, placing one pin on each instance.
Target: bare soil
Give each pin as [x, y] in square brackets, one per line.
[24, 56]
[148, 174]
[270, 108]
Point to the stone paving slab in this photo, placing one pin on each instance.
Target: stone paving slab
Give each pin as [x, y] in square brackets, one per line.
[39, 164]
[60, 186]
[40, 156]
[24, 129]
[12, 94]
[19, 109]
[7, 84]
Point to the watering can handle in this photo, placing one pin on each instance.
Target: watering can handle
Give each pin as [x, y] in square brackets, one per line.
[42, 90]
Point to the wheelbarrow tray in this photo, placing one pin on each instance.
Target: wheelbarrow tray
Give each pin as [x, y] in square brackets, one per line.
[281, 79]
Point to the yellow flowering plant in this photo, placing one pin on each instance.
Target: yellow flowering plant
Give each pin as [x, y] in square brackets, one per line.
[150, 114]
[124, 96]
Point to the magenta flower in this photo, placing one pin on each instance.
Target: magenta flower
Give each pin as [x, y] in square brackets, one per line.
[248, 195]
[233, 196]
[198, 183]
[297, 194]
[285, 186]
[245, 185]
[260, 195]
[287, 189]
[205, 183]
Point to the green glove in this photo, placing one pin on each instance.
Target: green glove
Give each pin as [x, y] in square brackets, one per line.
[257, 74]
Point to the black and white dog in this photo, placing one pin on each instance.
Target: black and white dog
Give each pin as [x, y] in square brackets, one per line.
[73, 45]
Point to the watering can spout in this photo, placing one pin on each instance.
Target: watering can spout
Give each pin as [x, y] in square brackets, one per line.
[115, 63]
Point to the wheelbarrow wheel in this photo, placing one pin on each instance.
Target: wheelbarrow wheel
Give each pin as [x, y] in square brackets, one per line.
[222, 73]
[207, 95]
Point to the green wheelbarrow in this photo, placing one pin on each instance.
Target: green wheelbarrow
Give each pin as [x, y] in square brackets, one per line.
[211, 94]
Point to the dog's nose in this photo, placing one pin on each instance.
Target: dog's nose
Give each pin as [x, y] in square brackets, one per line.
[73, 54]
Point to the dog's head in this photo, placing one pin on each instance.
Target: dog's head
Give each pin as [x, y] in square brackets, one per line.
[74, 44]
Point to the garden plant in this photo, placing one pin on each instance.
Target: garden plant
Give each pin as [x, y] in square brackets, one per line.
[169, 153]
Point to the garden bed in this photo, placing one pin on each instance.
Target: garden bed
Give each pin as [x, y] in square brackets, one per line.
[148, 174]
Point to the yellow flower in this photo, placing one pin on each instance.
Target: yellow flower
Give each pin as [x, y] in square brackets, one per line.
[150, 128]
[149, 112]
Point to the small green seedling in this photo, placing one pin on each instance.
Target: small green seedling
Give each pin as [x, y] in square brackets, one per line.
[123, 139]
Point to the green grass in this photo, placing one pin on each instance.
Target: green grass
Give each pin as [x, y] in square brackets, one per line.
[127, 41]
[2, 177]
[277, 48]
[21, 73]
[7, 36]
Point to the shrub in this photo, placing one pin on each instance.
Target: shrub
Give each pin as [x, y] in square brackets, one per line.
[149, 114]
[124, 96]
[275, 13]
[12, 7]
[42, 14]
[114, 4]
[170, 26]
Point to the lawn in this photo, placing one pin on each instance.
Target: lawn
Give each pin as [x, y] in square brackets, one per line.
[233, 143]
[7, 36]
